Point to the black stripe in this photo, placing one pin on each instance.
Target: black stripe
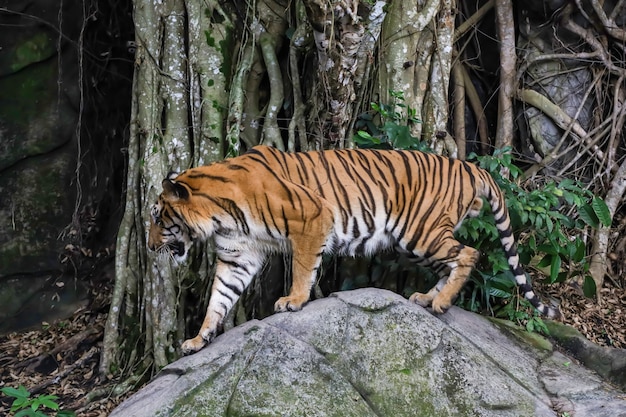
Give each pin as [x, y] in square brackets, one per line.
[225, 295]
[236, 167]
[210, 177]
[237, 291]
[234, 264]
[286, 222]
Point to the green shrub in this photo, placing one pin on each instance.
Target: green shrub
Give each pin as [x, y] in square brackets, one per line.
[548, 222]
[387, 126]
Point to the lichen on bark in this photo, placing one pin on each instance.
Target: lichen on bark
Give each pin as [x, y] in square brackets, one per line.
[415, 58]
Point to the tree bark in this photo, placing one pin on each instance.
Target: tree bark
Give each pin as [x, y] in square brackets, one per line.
[508, 60]
[416, 59]
[176, 122]
[338, 32]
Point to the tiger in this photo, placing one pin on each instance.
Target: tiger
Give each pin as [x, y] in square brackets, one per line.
[348, 202]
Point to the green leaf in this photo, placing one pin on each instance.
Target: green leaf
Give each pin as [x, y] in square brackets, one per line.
[48, 401]
[555, 268]
[20, 392]
[589, 287]
[29, 413]
[549, 249]
[364, 139]
[549, 225]
[581, 250]
[20, 402]
[499, 293]
[601, 210]
[562, 277]
[545, 261]
[588, 215]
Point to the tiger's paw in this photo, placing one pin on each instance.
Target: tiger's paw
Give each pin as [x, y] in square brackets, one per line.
[423, 300]
[441, 304]
[193, 345]
[288, 304]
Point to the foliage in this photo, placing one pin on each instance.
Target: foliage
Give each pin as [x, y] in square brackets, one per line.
[549, 221]
[388, 126]
[25, 406]
[527, 315]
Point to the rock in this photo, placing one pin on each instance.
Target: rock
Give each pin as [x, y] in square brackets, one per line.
[607, 362]
[370, 352]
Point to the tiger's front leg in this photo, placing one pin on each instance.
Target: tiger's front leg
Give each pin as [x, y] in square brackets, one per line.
[307, 258]
[305, 267]
[233, 273]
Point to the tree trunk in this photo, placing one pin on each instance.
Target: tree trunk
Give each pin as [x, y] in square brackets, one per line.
[177, 121]
[416, 56]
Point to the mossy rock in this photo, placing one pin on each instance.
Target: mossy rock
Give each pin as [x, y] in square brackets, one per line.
[36, 207]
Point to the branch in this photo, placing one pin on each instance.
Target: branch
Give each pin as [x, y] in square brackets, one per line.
[558, 116]
[235, 108]
[508, 60]
[473, 20]
[609, 24]
[297, 119]
[271, 132]
[90, 354]
[591, 39]
[459, 109]
[598, 262]
[477, 108]
[617, 119]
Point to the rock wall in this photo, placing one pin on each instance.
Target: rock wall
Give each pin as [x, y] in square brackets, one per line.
[65, 78]
[38, 119]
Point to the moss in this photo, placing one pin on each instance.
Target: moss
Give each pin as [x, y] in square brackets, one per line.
[29, 93]
[532, 339]
[226, 45]
[34, 49]
[36, 210]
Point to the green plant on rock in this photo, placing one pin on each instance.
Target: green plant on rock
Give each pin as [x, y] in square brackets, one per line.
[25, 406]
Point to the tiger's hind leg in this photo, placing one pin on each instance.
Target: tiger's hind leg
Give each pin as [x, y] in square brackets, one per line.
[426, 300]
[459, 260]
[442, 270]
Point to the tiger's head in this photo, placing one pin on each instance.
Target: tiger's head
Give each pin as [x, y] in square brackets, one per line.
[169, 232]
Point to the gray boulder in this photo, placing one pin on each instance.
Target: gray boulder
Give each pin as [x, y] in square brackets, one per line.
[370, 352]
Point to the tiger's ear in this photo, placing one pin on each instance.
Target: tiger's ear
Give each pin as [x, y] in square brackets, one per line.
[174, 190]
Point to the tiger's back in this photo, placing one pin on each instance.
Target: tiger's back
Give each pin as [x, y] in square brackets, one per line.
[379, 198]
[347, 202]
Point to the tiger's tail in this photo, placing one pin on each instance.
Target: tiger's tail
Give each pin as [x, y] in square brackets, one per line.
[503, 224]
